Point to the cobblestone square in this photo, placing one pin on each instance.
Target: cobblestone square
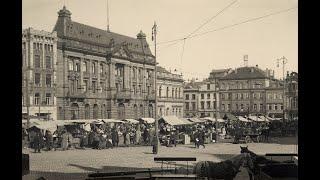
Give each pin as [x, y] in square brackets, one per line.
[76, 164]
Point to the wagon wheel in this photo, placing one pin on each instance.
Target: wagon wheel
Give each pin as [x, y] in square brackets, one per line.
[247, 139]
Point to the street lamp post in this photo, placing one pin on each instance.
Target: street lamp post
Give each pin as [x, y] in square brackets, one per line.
[154, 38]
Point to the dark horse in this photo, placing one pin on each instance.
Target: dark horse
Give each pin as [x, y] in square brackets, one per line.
[227, 169]
[256, 159]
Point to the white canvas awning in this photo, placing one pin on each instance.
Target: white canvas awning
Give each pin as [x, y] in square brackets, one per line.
[196, 120]
[110, 121]
[209, 119]
[256, 118]
[241, 118]
[174, 120]
[133, 121]
[148, 120]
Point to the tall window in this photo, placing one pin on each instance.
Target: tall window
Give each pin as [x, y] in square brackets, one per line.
[214, 104]
[179, 93]
[187, 96]
[187, 106]
[208, 104]
[84, 68]
[275, 107]
[85, 85]
[223, 107]
[193, 104]
[70, 65]
[101, 69]
[208, 86]
[37, 79]
[172, 93]
[202, 104]
[228, 107]
[202, 96]
[148, 89]
[36, 98]
[48, 62]
[93, 68]
[214, 95]
[140, 73]
[241, 106]
[48, 80]
[37, 63]
[261, 107]
[241, 95]
[94, 86]
[134, 72]
[140, 89]
[222, 96]
[255, 107]
[48, 98]
[176, 93]
[270, 107]
[193, 96]
[102, 86]
[208, 95]
[134, 89]
[167, 94]
[77, 67]
[237, 107]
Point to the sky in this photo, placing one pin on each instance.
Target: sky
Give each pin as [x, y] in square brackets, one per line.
[264, 40]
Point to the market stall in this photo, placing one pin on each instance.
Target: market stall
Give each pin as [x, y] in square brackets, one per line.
[147, 120]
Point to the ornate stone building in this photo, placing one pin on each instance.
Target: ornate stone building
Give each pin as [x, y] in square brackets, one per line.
[244, 91]
[39, 57]
[274, 99]
[102, 74]
[170, 93]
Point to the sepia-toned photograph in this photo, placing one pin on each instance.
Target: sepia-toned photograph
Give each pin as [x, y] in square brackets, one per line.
[159, 89]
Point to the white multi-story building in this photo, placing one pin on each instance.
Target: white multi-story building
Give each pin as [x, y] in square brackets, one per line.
[39, 57]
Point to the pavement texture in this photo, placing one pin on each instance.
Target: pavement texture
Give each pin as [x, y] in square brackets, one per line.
[77, 163]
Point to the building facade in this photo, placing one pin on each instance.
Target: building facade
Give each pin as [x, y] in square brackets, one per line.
[102, 74]
[274, 99]
[39, 57]
[244, 91]
[170, 93]
[291, 106]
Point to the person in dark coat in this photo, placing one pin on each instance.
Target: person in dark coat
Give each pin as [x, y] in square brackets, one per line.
[37, 142]
[115, 137]
[49, 140]
[201, 137]
[84, 140]
[90, 138]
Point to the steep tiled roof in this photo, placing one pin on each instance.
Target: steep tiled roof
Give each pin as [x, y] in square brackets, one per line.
[66, 28]
[246, 73]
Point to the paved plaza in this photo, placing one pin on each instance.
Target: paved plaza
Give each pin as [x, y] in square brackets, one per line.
[76, 164]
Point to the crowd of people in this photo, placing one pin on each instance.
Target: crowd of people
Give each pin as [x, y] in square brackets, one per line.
[105, 136]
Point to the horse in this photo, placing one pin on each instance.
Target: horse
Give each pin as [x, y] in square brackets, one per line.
[256, 159]
[227, 169]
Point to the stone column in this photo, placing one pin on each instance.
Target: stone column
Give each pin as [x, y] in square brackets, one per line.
[81, 73]
[112, 75]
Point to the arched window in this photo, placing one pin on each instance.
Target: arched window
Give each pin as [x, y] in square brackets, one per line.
[135, 111]
[95, 111]
[167, 94]
[121, 111]
[141, 110]
[87, 111]
[150, 110]
[103, 112]
[74, 111]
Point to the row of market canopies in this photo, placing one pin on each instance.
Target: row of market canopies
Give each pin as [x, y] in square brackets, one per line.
[251, 118]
